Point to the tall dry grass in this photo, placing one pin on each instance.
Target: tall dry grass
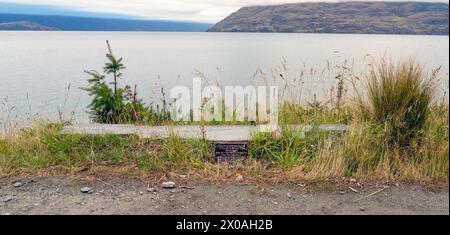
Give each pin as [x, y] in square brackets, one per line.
[400, 132]
[400, 95]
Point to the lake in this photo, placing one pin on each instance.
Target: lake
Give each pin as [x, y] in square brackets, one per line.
[41, 71]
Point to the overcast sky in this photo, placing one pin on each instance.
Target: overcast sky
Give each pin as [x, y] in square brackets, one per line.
[210, 11]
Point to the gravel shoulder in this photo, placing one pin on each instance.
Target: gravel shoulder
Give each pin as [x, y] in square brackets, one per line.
[62, 195]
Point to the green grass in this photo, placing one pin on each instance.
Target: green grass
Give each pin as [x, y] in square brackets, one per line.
[313, 113]
[364, 152]
[42, 148]
[287, 150]
[397, 134]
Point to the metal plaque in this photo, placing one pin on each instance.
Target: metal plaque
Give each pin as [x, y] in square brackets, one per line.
[227, 152]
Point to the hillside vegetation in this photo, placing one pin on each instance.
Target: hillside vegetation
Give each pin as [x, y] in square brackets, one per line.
[71, 23]
[24, 25]
[344, 17]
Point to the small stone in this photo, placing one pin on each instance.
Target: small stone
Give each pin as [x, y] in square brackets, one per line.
[288, 195]
[151, 190]
[87, 190]
[275, 203]
[168, 185]
[183, 176]
[240, 178]
[362, 209]
[18, 184]
[342, 192]
[8, 199]
[353, 180]
[188, 187]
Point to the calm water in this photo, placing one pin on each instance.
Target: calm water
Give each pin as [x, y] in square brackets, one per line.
[36, 68]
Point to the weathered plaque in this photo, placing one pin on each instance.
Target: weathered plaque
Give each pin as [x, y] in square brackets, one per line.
[227, 152]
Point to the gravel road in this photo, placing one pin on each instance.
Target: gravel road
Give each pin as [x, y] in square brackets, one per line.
[62, 195]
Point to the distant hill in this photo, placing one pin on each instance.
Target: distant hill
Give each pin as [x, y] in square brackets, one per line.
[24, 25]
[343, 17]
[99, 24]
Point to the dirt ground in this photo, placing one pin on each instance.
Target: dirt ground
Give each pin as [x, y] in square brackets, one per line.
[62, 195]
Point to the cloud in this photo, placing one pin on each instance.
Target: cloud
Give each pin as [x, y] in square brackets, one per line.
[187, 10]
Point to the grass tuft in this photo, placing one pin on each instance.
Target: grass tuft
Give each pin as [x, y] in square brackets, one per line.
[400, 96]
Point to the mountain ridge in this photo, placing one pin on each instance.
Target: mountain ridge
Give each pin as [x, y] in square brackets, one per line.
[25, 25]
[342, 17]
[76, 23]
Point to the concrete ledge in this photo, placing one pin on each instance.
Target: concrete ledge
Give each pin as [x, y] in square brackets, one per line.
[211, 133]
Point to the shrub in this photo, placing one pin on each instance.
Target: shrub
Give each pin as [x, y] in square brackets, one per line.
[400, 96]
[113, 105]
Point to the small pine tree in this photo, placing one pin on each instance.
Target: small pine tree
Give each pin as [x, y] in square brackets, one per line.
[114, 66]
[113, 105]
